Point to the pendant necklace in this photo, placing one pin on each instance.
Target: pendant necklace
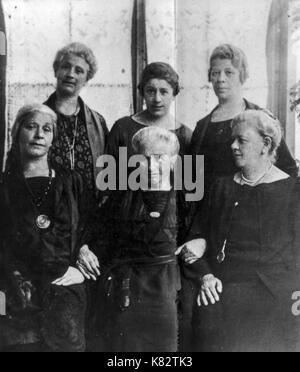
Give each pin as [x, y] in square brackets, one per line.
[222, 255]
[42, 221]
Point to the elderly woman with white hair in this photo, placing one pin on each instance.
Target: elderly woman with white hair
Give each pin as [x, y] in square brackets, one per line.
[250, 222]
[82, 132]
[41, 231]
[140, 270]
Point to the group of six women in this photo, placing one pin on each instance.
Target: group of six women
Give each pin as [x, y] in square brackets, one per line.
[145, 270]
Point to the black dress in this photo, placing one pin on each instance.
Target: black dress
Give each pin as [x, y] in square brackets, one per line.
[261, 268]
[122, 203]
[54, 318]
[139, 287]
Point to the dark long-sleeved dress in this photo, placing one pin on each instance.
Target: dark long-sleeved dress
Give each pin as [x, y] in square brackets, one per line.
[121, 136]
[140, 283]
[54, 318]
[260, 272]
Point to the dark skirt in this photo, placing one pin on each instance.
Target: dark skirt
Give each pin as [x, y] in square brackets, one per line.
[249, 318]
[143, 318]
[57, 325]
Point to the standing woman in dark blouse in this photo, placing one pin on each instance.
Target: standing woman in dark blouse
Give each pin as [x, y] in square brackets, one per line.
[82, 132]
[41, 231]
[212, 136]
[159, 86]
[250, 271]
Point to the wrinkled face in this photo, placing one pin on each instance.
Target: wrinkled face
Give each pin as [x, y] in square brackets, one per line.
[248, 146]
[225, 78]
[159, 96]
[159, 162]
[71, 75]
[36, 136]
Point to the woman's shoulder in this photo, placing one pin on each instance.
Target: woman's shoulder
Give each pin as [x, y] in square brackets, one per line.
[251, 105]
[278, 174]
[98, 115]
[184, 129]
[124, 124]
[125, 120]
[100, 120]
[206, 119]
[184, 132]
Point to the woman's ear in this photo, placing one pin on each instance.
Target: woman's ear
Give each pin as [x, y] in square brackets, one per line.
[267, 145]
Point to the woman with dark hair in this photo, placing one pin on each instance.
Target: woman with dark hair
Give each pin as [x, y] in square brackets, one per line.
[41, 231]
[228, 72]
[82, 132]
[159, 87]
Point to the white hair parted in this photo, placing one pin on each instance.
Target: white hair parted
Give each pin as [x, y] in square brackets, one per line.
[146, 138]
[265, 124]
[27, 112]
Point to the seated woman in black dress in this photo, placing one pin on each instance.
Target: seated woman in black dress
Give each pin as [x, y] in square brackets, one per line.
[139, 306]
[41, 234]
[228, 72]
[250, 270]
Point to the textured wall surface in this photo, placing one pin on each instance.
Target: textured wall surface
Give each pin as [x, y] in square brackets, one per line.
[181, 32]
[37, 29]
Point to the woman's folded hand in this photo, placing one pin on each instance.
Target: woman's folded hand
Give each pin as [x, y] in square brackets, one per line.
[192, 251]
[210, 290]
[72, 276]
[88, 263]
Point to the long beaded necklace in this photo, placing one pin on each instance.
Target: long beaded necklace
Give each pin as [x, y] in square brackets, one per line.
[71, 146]
[42, 221]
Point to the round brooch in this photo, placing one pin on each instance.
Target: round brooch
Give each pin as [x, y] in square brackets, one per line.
[43, 222]
[155, 214]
